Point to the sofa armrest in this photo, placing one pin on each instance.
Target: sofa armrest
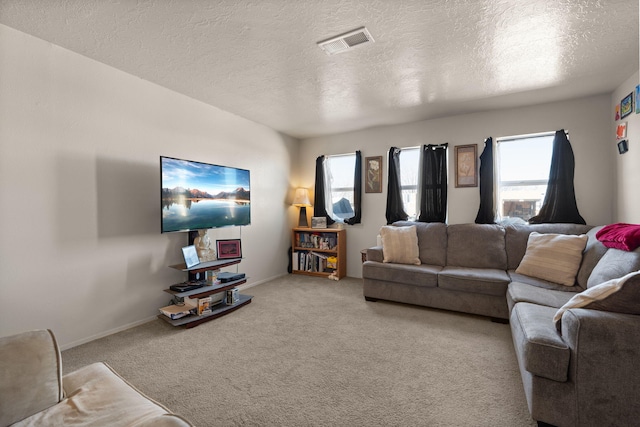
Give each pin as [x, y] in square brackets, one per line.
[604, 365]
[375, 254]
[30, 375]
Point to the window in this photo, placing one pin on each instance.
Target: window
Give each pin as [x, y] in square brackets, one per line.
[339, 172]
[409, 173]
[522, 172]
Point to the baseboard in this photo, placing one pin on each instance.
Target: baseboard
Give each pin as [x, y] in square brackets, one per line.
[107, 333]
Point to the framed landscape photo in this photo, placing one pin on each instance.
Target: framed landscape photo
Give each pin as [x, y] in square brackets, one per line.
[467, 165]
[626, 106]
[373, 174]
[228, 248]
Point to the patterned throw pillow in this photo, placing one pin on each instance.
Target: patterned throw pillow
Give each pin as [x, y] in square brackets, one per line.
[553, 257]
[400, 245]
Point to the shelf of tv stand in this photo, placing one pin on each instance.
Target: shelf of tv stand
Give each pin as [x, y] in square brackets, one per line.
[207, 290]
[217, 311]
[207, 265]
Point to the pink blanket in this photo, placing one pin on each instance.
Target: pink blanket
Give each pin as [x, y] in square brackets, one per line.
[620, 236]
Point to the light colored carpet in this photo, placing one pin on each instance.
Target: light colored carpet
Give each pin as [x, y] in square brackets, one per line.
[312, 352]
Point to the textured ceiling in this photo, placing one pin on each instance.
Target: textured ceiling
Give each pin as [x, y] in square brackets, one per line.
[431, 58]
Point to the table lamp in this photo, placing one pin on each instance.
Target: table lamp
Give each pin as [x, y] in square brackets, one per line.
[302, 200]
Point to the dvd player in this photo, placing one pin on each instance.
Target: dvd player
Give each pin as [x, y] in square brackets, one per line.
[226, 277]
[186, 286]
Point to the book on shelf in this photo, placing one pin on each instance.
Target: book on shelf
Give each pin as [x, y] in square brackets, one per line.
[175, 311]
[204, 306]
[312, 261]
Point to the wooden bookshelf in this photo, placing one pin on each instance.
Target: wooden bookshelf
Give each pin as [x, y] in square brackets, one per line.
[319, 251]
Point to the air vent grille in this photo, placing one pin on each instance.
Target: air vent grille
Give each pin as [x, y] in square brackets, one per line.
[345, 41]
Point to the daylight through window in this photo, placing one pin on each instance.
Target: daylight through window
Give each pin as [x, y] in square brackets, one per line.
[339, 174]
[409, 172]
[523, 164]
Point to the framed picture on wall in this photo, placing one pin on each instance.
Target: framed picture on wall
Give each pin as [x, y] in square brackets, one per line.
[373, 174]
[467, 165]
[626, 106]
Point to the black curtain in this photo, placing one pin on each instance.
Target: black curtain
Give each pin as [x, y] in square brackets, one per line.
[560, 201]
[357, 192]
[319, 198]
[486, 211]
[395, 208]
[433, 183]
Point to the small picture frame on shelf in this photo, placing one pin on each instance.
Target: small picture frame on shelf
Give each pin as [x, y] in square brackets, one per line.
[229, 248]
[318, 222]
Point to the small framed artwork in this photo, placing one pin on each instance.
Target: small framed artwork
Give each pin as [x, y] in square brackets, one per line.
[621, 130]
[229, 248]
[318, 222]
[638, 99]
[626, 106]
[467, 165]
[373, 173]
[623, 146]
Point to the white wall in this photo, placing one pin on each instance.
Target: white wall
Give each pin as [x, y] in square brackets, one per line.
[587, 120]
[627, 177]
[80, 245]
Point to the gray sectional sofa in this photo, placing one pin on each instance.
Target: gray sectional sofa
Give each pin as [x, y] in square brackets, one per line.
[585, 374]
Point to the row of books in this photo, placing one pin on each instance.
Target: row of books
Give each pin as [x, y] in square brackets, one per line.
[312, 261]
[325, 241]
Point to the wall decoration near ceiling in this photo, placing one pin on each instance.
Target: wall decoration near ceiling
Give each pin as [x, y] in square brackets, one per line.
[626, 106]
[638, 99]
[621, 130]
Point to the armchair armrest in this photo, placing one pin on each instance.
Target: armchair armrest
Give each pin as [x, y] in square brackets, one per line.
[30, 375]
[605, 349]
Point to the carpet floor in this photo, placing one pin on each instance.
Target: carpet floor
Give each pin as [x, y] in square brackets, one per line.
[312, 352]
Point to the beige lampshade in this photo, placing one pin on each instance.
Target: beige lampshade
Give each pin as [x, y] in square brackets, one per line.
[301, 198]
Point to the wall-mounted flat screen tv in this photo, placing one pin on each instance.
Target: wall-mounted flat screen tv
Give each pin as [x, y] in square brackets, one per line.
[198, 195]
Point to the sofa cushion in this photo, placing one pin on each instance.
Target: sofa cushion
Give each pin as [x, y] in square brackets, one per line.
[591, 255]
[487, 281]
[553, 257]
[432, 241]
[419, 275]
[541, 283]
[400, 244]
[517, 235]
[30, 375]
[523, 292]
[541, 349]
[621, 295]
[96, 395]
[476, 246]
[613, 264]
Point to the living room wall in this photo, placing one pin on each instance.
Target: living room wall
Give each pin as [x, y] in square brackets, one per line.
[588, 121]
[80, 245]
[627, 172]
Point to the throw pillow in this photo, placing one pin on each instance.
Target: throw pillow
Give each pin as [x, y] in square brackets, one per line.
[553, 257]
[621, 295]
[400, 244]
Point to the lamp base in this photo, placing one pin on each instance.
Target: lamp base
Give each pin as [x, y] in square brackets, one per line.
[302, 221]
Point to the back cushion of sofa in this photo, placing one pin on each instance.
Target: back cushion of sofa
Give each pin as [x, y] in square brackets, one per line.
[432, 241]
[614, 263]
[592, 254]
[476, 246]
[517, 236]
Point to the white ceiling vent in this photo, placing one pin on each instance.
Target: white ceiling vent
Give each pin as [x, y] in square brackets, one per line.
[345, 41]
